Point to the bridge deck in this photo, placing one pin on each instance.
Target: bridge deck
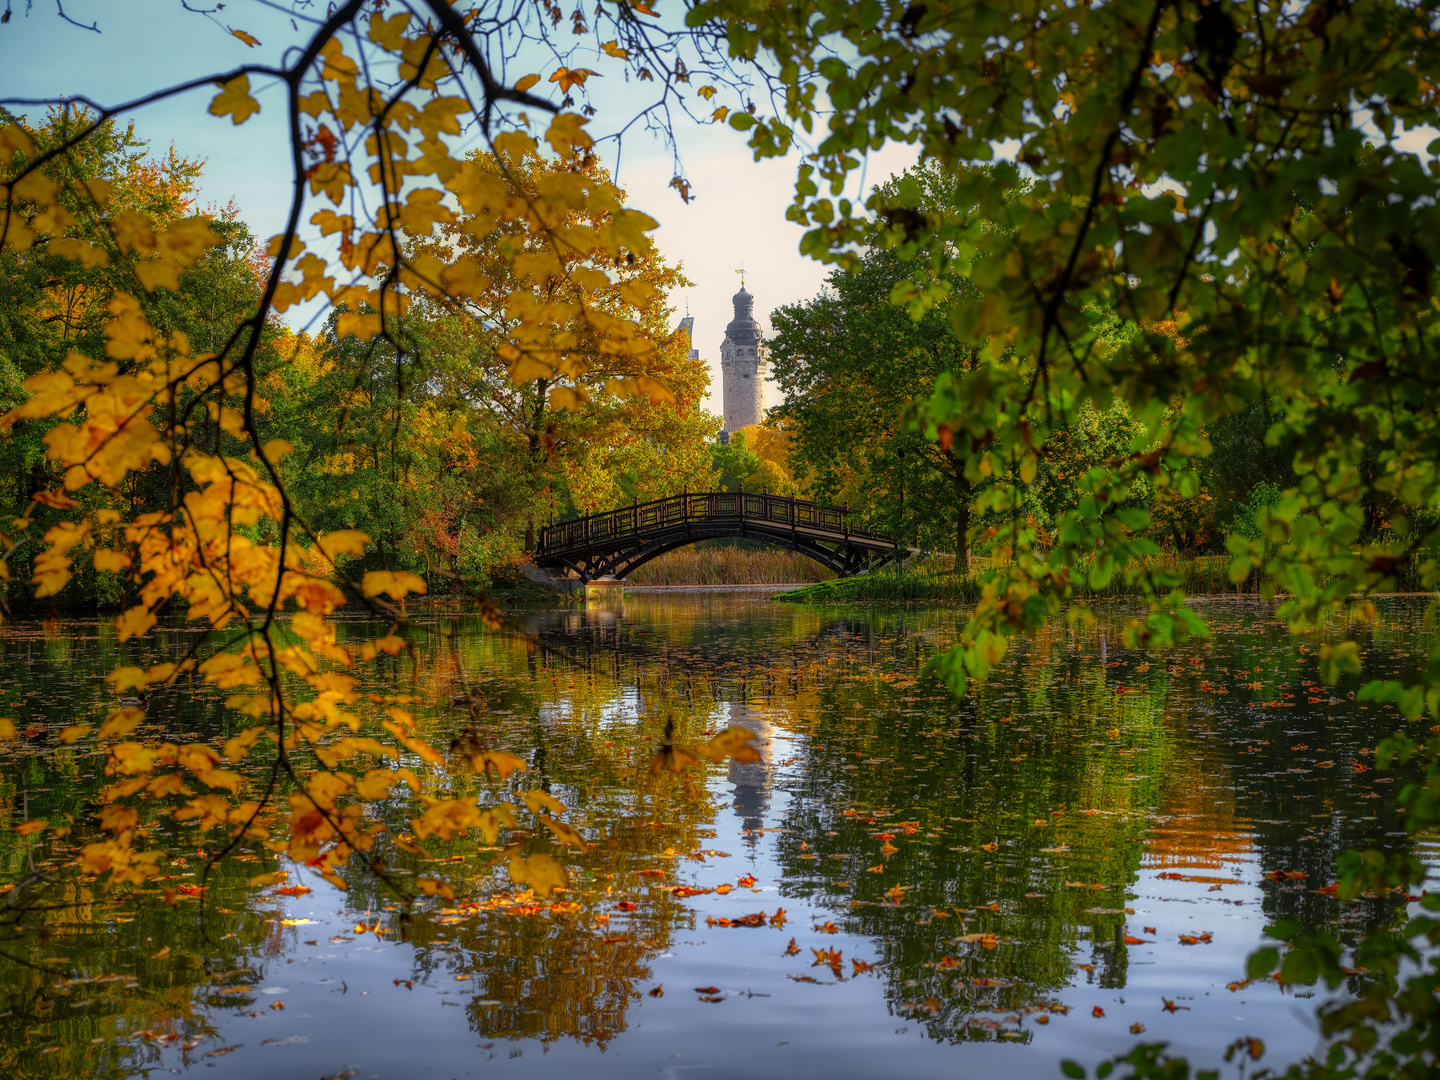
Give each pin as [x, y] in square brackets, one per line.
[621, 540]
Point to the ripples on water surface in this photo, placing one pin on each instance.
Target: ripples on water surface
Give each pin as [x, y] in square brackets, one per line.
[989, 864]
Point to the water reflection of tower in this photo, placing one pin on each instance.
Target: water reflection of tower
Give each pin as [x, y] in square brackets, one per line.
[751, 780]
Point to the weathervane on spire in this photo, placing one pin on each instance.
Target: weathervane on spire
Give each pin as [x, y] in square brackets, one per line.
[741, 272]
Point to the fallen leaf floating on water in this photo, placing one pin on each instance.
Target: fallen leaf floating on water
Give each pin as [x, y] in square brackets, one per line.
[861, 967]
[755, 919]
[707, 989]
[1195, 939]
[991, 982]
[1255, 1048]
[792, 948]
[831, 958]
[1137, 1029]
[1097, 1012]
[710, 998]
[778, 919]
[1148, 929]
[1170, 1006]
[746, 882]
[828, 928]
[659, 990]
[1137, 941]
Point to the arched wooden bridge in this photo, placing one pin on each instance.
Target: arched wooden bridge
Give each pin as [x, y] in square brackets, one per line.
[615, 543]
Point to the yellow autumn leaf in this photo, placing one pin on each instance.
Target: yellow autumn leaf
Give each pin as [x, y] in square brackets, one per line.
[541, 872]
[502, 762]
[568, 77]
[566, 834]
[74, 733]
[120, 723]
[127, 678]
[343, 542]
[566, 131]
[87, 255]
[526, 82]
[394, 583]
[432, 886]
[239, 745]
[733, 742]
[116, 562]
[234, 100]
[7, 728]
[246, 38]
[527, 369]
[118, 819]
[642, 386]
[34, 825]
[536, 801]
[134, 622]
[564, 397]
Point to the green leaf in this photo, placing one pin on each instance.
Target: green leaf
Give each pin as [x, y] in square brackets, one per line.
[1262, 963]
[1073, 1070]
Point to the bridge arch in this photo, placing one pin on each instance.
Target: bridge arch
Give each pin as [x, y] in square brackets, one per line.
[620, 541]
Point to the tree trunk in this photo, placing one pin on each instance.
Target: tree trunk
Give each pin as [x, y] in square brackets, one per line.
[962, 522]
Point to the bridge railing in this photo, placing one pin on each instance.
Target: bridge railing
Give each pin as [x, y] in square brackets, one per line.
[695, 508]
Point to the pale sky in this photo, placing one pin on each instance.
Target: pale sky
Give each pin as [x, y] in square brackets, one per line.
[737, 215]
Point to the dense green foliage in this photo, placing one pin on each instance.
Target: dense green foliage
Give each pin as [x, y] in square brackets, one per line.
[1229, 180]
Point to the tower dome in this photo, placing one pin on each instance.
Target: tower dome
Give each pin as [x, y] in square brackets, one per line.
[743, 329]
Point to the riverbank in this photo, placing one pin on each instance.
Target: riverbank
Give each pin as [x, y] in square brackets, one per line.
[936, 580]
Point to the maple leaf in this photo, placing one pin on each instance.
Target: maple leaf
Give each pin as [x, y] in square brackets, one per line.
[568, 77]
[234, 100]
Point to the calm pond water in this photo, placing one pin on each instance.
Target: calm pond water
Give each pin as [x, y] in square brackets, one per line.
[962, 883]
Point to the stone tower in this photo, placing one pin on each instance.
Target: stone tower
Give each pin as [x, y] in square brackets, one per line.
[744, 363]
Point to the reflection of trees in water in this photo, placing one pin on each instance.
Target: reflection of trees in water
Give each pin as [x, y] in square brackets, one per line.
[583, 697]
